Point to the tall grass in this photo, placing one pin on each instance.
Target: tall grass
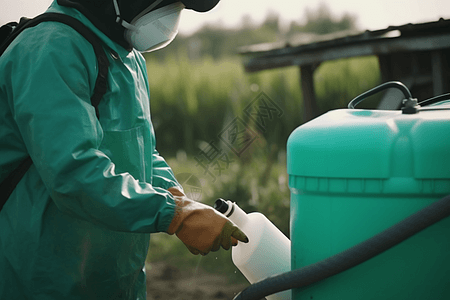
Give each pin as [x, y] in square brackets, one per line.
[338, 82]
[191, 101]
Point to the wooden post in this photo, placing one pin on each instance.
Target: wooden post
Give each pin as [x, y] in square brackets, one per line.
[309, 95]
[384, 62]
[437, 72]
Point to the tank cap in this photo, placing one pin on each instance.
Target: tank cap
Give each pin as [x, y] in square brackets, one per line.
[410, 106]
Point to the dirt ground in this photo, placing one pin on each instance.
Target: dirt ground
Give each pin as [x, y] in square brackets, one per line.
[166, 282]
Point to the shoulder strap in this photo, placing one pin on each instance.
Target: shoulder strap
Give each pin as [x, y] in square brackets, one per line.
[8, 185]
[102, 60]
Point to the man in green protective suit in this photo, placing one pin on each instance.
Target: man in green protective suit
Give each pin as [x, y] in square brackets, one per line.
[78, 224]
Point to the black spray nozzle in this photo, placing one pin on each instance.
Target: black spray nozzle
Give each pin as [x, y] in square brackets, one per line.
[221, 205]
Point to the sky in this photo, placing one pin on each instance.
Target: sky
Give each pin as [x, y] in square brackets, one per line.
[370, 15]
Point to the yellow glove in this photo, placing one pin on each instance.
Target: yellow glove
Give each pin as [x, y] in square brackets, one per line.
[202, 229]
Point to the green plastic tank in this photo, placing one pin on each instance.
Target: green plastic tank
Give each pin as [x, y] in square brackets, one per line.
[352, 174]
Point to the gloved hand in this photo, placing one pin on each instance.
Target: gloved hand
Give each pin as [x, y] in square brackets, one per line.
[202, 229]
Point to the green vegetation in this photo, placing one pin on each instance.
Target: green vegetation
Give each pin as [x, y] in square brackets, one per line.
[192, 101]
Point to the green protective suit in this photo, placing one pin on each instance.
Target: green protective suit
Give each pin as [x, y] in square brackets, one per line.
[78, 224]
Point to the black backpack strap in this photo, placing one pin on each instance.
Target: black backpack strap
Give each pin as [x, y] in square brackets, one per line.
[8, 185]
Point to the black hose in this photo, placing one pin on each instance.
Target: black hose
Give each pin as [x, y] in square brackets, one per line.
[436, 99]
[350, 257]
[391, 84]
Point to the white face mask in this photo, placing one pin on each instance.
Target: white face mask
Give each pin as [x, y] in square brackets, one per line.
[150, 31]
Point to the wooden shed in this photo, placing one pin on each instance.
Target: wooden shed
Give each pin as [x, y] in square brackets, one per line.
[416, 54]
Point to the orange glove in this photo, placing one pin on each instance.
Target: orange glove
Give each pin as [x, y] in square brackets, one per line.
[202, 229]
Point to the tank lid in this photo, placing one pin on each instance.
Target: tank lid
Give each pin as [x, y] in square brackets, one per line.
[352, 143]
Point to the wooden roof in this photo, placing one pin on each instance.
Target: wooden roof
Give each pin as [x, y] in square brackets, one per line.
[308, 49]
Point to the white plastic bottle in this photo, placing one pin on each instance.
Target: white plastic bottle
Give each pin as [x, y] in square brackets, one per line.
[268, 251]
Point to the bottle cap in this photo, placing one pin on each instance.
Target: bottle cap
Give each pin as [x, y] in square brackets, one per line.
[221, 205]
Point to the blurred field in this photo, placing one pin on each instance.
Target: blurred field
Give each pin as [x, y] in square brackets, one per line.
[193, 100]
